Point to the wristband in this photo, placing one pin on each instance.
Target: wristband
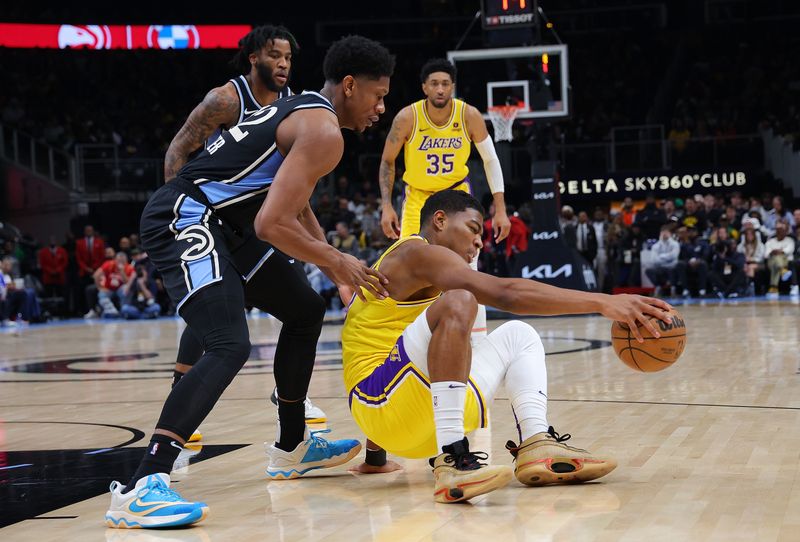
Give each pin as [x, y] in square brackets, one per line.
[375, 458]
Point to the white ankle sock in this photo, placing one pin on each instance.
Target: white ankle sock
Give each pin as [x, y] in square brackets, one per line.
[448, 411]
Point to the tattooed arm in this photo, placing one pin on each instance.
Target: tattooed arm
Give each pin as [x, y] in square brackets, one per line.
[398, 135]
[220, 107]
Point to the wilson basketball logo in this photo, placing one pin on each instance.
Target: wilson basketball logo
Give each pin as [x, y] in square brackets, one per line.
[201, 239]
[677, 323]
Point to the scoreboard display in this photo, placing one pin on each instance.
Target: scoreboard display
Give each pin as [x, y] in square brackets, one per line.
[499, 14]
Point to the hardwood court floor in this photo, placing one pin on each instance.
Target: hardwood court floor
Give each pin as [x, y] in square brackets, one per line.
[708, 449]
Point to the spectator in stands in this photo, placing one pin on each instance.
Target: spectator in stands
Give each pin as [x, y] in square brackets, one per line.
[582, 237]
[692, 261]
[125, 246]
[651, 218]
[777, 214]
[600, 225]
[754, 255]
[694, 217]
[679, 136]
[343, 240]
[343, 213]
[727, 275]
[138, 300]
[779, 251]
[724, 222]
[567, 217]
[630, 263]
[628, 212]
[16, 301]
[713, 210]
[113, 280]
[344, 188]
[89, 253]
[796, 231]
[665, 251]
[757, 207]
[53, 261]
[671, 212]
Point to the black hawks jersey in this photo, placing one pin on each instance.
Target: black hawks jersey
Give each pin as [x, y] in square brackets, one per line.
[235, 171]
[247, 103]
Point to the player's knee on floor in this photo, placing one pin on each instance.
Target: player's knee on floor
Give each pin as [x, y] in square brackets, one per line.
[457, 307]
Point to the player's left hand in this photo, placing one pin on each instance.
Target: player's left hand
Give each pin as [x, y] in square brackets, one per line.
[501, 225]
[363, 468]
[634, 310]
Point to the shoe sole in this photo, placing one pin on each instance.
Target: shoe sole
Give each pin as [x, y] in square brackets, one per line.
[126, 523]
[464, 492]
[316, 420]
[562, 470]
[290, 474]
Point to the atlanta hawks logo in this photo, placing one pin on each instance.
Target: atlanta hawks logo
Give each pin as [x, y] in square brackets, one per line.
[201, 239]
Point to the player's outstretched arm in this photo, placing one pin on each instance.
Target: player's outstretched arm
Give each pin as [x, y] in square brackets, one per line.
[315, 147]
[476, 127]
[398, 135]
[443, 268]
[220, 107]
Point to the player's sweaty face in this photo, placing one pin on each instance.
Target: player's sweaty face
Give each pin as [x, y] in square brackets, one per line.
[368, 105]
[274, 63]
[438, 88]
[464, 233]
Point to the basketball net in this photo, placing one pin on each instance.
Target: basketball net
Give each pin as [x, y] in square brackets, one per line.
[502, 117]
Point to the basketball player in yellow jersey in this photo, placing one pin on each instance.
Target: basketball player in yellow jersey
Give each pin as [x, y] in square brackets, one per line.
[437, 133]
[415, 384]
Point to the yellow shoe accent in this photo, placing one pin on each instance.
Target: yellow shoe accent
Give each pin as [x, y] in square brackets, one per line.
[544, 459]
[197, 435]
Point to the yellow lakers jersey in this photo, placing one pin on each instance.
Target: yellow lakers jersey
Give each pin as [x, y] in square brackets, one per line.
[372, 328]
[436, 156]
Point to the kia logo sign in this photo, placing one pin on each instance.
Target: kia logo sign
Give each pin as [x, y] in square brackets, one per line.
[90, 36]
[546, 271]
[544, 195]
[544, 235]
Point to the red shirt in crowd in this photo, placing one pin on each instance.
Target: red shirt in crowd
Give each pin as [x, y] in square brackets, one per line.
[89, 257]
[113, 276]
[53, 263]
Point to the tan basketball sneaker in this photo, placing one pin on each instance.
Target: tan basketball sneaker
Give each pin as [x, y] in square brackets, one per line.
[544, 459]
[459, 475]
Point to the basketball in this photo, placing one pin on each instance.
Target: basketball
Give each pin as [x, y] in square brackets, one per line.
[655, 354]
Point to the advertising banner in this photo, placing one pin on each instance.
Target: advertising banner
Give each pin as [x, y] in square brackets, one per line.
[99, 36]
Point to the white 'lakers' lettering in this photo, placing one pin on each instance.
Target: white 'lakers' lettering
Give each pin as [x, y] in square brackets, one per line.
[429, 142]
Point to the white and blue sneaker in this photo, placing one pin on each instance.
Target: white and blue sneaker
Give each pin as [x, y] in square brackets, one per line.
[151, 504]
[313, 453]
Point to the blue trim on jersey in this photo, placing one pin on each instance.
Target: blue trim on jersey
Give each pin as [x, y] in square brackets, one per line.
[190, 212]
[258, 180]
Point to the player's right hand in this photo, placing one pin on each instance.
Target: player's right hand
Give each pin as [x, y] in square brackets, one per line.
[390, 222]
[352, 273]
[635, 310]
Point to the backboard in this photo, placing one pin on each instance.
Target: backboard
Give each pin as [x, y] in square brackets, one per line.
[535, 75]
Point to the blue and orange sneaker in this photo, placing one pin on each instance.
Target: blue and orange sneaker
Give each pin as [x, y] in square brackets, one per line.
[313, 453]
[151, 504]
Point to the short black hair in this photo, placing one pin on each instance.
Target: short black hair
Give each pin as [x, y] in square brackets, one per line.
[357, 55]
[256, 39]
[449, 201]
[437, 65]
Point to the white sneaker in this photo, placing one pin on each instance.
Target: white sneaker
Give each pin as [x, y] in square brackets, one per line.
[313, 453]
[91, 315]
[313, 413]
[151, 504]
[685, 292]
[794, 291]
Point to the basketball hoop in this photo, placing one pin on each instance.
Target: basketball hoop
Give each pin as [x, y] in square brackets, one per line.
[502, 117]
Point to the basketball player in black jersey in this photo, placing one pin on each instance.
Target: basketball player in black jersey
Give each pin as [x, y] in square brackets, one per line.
[258, 175]
[264, 59]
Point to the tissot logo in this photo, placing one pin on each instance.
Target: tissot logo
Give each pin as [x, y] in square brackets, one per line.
[544, 195]
[544, 235]
[546, 271]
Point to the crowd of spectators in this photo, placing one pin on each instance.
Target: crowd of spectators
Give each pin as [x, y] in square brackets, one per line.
[704, 245]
